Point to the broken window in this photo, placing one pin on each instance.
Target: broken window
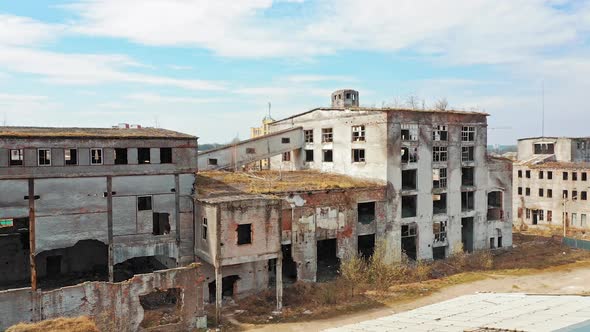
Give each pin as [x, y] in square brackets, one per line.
[409, 234]
[495, 205]
[244, 234]
[520, 190]
[44, 157]
[308, 156]
[468, 134]
[439, 228]
[409, 155]
[409, 179]
[161, 223]
[287, 156]
[16, 157]
[440, 133]
[250, 150]
[574, 195]
[467, 153]
[120, 156]
[549, 193]
[439, 153]
[366, 212]
[439, 203]
[409, 206]
[327, 136]
[144, 203]
[541, 192]
[308, 134]
[565, 175]
[544, 148]
[143, 155]
[467, 176]
[96, 156]
[358, 155]
[285, 140]
[212, 161]
[165, 155]
[204, 229]
[409, 132]
[358, 133]
[549, 175]
[467, 200]
[327, 156]
[527, 191]
[439, 178]
[71, 156]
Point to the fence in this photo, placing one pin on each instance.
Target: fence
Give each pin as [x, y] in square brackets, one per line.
[576, 243]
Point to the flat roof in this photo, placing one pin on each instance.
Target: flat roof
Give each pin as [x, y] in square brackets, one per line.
[488, 312]
[553, 138]
[561, 165]
[74, 132]
[224, 183]
[384, 109]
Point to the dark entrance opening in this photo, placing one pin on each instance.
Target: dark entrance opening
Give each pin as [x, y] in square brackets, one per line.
[409, 206]
[467, 234]
[409, 237]
[366, 245]
[439, 252]
[53, 267]
[14, 253]
[161, 307]
[228, 287]
[137, 265]
[409, 179]
[327, 260]
[289, 265]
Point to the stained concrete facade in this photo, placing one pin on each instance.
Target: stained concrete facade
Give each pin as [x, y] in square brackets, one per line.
[551, 182]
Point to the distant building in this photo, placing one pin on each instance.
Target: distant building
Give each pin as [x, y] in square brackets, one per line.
[264, 129]
[551, 181]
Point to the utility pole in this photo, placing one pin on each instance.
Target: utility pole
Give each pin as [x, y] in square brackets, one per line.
[543, 108]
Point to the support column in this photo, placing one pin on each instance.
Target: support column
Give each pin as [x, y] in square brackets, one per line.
[177, 212]
[32, 249]
[110, 227]
[279, 281]
[218, 294]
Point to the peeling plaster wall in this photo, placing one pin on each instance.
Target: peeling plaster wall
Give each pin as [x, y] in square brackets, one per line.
[113, 306]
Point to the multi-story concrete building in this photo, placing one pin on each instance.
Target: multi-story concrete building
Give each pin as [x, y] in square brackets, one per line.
[88, 203]
[551, 181]
[264, 129]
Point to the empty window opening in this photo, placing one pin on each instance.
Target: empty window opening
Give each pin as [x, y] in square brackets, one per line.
[409, 237]
[308, 156]
[439, 203]
[409, 155]
[527, 191]
[564, 193]
[212, 161]
[328, 263]
[144, 203]
[467, 176]
[358, 133]
[584, 195]
[439, 178]
[574, 176]
[121, 156]
[541, 192]
[520, 173]
[549, 193]
[204, 229]
[409, 206]
[540, 175]
[565, 175]
[161, 307]
[285, 140]
[358, 155]
[289, 265]
[549, 216]
[16, 157]
[308, 135]
[439, 153]
[495, 205]
[584, 176]
[328, 156]
[141, 265]
[467, 153]
[549, 175]
[499, 237]
[538, 215]
[520, 190]
[44, 157]
[439, 229]
[468, 134]
[467, 234]
[96, 156]
[161, 223]
[287, 156]
[244, 234]
[409, 132]
[574, 195]
[327, 135]
[439, 252]
[71, 156]
[440, 133]
[366, 245]
[409, 179]
[366, 212]
[467, 200]
[544, 148]
[528, 174]
[143, 155]
[165, 155]
[492, 243]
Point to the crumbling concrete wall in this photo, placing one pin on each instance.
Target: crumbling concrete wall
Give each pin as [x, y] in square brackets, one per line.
[113, 306]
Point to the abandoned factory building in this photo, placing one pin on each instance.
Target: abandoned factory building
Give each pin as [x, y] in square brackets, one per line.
[551, 182]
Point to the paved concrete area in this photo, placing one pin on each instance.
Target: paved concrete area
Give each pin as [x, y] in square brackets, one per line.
[513, 311]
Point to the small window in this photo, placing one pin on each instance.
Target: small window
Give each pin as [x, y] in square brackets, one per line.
[144, 203]
[96, 156]
[409, 132]
[204, 229]
[165, 155]
[540, 175]
[16, 157]
[549, 175]
[440, 133]
[366, 212]
[565, 175]
[409, 155]
[544, 148]
[527, 191]
[143, 155]
[528, 174]
[564, 194]
[212, 161]
[467, 153]
[574, 195]
[541, 192]
[358, 133]
[44, 157]
[285, 140]
[308, 134]
[71, 156]
[120, 156]
[308, 156]
[358, 155]
[583, 195]
[574, 176]
[287, 156]
[549, 193]
[439, 178]
[327, 135]
[244, 234]
[520, 190]
[161, 223]
[439, 228]
[584, 176]
[250, 150]
[328, 156]
[520, 173]
[439, 153]
[468, 134]
[549, 215]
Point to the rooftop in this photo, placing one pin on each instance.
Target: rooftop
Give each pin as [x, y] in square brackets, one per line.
[222, 183]
[562, 165]
[65, 132]
[551, 138]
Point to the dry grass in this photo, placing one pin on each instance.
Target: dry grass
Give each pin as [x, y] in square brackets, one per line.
[90, 132]
[78, 324]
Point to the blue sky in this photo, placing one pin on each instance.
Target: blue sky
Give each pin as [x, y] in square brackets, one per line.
[210, 68]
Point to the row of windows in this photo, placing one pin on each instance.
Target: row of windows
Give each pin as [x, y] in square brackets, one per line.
[96, 156]
[549, 193]
[439, 203]
[540, 215]
[549, 174]
[409, 132]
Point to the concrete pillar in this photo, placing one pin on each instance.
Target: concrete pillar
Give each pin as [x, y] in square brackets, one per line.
[32, 242]
[111, 258]
[279, 282]
[218, 294]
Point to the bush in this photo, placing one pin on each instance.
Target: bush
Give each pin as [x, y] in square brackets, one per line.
[353, 270]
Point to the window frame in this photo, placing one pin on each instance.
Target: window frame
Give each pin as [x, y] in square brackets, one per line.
[358, 133]
[171, 156]
[21, 155]
[324, 156]
[68, 162]
[362, 159]
[328, 135]
[148, 199]
[440, 133]
[437, 156]
[47, 157]
[468, 134]
[101, 155]
[413, 132]
[308, 135]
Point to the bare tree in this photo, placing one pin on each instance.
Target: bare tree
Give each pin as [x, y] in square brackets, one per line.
[413, 102]
[441, 104]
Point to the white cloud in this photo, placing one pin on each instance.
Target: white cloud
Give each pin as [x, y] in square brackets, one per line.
[319, 78]
[19, 31]
[156, 98]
